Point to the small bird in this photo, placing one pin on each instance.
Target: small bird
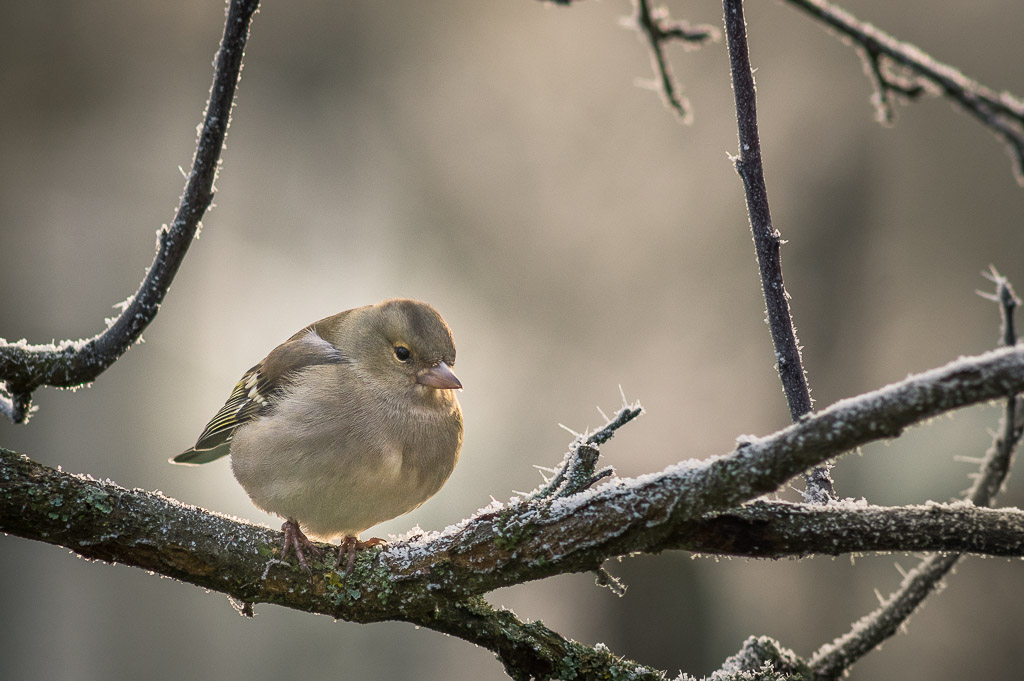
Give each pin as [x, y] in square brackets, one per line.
[350, 422]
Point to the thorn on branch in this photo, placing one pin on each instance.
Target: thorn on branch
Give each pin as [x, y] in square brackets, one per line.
[605, 579]
[658, 28]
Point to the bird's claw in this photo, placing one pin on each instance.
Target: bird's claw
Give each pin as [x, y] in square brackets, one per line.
[295, 540]
[348, 548]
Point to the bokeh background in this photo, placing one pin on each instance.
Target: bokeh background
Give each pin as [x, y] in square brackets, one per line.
[502, 161]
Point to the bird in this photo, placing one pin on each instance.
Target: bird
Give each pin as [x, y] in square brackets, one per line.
[351, 422]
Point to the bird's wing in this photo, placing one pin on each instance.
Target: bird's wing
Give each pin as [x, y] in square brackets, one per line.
[254, 395]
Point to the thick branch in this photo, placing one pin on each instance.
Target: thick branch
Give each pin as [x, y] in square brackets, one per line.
[767, 240]
[25, 367]
[1001, 112]
[103, 521]
[525, 540]
[100, 520]
[779, 529]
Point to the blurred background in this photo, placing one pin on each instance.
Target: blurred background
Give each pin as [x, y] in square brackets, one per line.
[503, 161]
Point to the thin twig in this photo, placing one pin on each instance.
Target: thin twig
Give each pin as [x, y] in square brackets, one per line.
[834, 659]
[25, 367]
[767, 240]
[576, 472]
[1008, 304]
[1001, 112]
[656, 26]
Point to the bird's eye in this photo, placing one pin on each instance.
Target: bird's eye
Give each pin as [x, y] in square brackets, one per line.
[402, 352]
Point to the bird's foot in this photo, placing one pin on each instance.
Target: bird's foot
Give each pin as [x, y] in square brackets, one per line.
[348, 548]
[295, 540]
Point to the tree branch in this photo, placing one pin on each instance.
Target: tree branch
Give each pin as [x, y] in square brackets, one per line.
[521, 541]
[1001, 112]
[529, 650]
[103, 521]
[25, 367]
[780, 529]
[100, 520]
[768, 241]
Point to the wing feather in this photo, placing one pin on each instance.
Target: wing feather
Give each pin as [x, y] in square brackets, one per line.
[258, 390]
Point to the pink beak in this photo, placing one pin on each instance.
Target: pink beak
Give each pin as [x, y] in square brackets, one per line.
[439, 376]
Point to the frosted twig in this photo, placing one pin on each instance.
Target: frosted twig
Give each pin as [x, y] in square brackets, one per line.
[1001, 112]
[1008, 304]
[25, 367]
[627, 413]
[656, 26]
[768, 241]
[579, 462]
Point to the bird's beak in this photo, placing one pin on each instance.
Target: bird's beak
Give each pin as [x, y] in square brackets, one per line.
[439, 376]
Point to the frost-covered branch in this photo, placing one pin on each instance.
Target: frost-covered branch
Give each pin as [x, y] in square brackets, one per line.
[25, 367]
[899, 68]
[576, 472]
[504, 544]
[101, 520]
[833, 659]
[768, 241]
